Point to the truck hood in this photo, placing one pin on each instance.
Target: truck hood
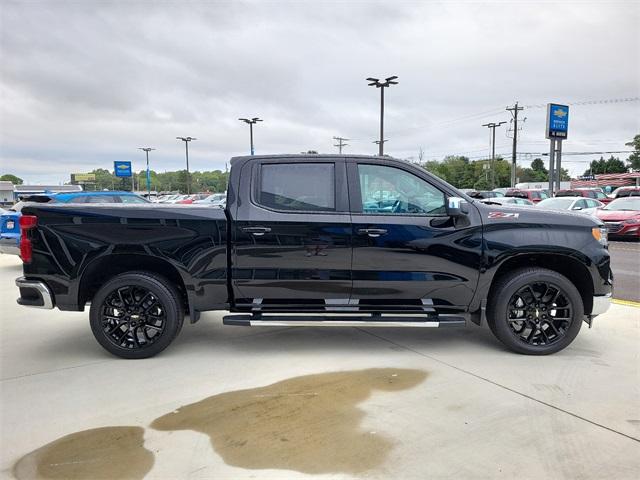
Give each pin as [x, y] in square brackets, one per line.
[494, 214]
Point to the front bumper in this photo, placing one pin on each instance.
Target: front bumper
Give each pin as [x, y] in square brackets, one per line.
[9, 245]
[601, 304]
[34, 293]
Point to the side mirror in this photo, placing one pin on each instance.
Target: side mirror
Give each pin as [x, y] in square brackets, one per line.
[456, 207]
[576, 208]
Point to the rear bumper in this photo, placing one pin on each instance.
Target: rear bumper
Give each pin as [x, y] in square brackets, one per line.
[601, 304]
[34, 293]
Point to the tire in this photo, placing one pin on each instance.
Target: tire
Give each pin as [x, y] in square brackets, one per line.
[145, 324]
[527, 308]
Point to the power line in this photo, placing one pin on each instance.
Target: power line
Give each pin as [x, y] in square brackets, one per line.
[592, 102]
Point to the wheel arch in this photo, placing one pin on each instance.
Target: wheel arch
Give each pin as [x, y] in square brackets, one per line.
[105, 268]
[572, 268]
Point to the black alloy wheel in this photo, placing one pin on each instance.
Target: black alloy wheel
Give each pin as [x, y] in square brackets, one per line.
[540, 313]
[535, 311]
[136, 315]
[133, 317]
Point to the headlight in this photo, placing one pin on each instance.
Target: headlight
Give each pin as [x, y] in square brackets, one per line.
[632, 220]
[600, 234]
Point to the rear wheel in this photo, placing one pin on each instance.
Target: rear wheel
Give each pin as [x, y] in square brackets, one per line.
[136, 315]
[535, 311]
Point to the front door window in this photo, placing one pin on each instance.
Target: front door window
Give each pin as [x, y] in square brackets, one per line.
[392, 191]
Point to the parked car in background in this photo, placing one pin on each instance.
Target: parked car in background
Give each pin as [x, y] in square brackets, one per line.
[622, 192]
[509, 201]
[622, 217]
[584, 192]
[189, 199]
[485, 194]
[10, 220]
[501, 190]
[573, 204]
[215, 200]
[534, 196]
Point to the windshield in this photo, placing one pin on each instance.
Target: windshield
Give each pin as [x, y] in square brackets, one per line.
[629, 203]
[558, 203]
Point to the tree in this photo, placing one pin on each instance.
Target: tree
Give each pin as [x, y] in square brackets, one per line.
[7, 177]
[634, 158]
[612, 165]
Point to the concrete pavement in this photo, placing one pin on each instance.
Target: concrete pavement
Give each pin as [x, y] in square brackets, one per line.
[235, 402]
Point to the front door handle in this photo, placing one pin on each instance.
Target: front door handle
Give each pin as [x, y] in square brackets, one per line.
[257, 231]
[372, 232]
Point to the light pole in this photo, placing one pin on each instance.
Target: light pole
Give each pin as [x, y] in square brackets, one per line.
[493, 127]
[382, 85]
[147, 150]
[186, 141]
[251, 122]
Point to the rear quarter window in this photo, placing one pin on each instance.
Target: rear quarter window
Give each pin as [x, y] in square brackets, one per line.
[297, 187]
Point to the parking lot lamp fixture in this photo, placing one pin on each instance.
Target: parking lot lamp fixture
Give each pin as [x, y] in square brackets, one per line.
[147, 150]
[374, 82]
[186, 141]
[251, 122]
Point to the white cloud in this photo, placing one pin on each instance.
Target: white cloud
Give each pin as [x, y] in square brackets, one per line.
[83, 84]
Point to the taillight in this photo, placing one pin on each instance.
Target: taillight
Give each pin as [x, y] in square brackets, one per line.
[27, 222]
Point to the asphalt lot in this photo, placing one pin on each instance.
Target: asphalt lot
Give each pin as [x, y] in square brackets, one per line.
[625, 263]
[235, 402]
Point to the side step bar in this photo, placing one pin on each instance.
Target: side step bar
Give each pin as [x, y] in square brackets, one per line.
[248, 320]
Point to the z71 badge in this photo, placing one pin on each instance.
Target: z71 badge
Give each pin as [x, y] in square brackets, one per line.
[503, 215]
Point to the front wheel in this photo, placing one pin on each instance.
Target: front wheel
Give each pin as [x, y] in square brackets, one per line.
[535, 311]
[136, 315]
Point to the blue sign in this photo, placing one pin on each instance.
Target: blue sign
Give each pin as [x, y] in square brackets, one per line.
[122, 169]
[557, 121]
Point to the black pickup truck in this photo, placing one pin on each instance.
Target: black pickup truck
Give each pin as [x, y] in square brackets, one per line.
[319, 240]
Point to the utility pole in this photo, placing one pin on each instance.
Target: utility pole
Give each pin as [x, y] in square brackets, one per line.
[493, 127]
[147, 150]
[186, 141]
[251, 122]
[341, 143]
[382, 85]
[514, 112]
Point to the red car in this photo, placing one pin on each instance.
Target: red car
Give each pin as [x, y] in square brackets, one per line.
[622, 217]
[530, 194]
[584, 192]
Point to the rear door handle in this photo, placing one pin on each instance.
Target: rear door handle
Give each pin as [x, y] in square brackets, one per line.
[257, 231]
[372, 232]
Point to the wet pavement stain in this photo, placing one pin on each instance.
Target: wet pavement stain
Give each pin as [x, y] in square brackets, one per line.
[310, 424]
[99, 453]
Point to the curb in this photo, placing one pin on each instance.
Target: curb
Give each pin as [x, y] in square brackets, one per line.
[628, 303]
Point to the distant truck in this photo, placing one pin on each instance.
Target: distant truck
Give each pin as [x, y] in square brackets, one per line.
[319, 240]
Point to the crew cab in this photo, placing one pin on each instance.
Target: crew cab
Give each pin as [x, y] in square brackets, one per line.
[319, 240]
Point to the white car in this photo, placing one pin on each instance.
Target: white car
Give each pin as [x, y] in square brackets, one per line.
[215, 200]
[510, 201]
[584, 205]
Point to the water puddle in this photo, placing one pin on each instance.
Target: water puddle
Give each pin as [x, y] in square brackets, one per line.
[309, 424]
[99, 453]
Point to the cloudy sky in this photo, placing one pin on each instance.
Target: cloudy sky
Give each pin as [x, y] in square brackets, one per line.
[84, 83]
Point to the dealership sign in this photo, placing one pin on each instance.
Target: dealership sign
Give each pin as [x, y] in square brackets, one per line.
[122, 169]
[557, 121]
[83, 177]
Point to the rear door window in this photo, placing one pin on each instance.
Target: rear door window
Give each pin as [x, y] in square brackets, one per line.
[298, 187]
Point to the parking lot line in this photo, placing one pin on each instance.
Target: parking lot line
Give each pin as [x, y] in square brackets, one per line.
[628, 303]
